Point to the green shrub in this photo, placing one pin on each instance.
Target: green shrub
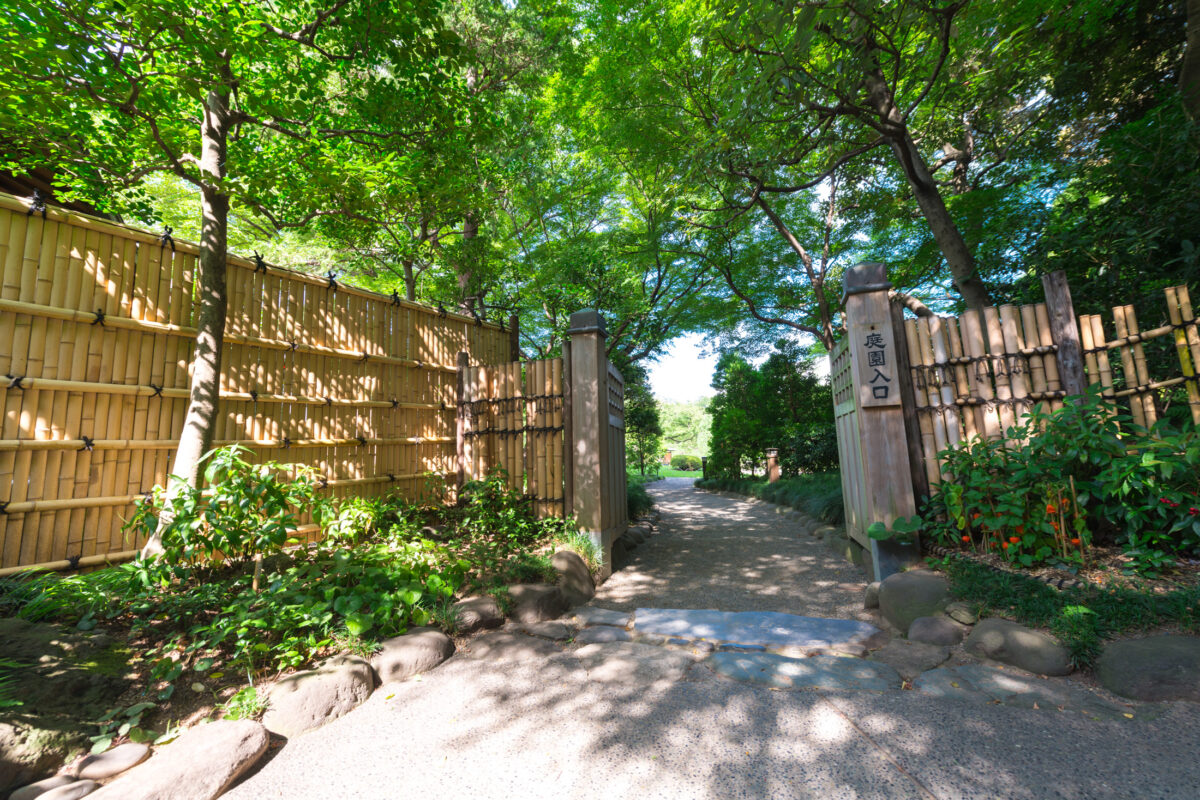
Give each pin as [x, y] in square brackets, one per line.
[1066, 479]
[637, 499]
[686, 463]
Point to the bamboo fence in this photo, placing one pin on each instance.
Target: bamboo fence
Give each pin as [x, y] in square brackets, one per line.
[511, 417]
[96, 340]
[977, 375]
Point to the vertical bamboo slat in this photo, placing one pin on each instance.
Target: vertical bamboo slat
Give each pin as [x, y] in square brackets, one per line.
[1187, 343]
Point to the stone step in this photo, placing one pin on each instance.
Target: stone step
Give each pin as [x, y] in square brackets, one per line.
[768, 631]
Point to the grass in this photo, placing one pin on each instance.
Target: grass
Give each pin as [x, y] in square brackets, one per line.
[819, 495]
[1081, 617]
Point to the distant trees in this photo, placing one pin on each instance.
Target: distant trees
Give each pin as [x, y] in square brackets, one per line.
[779, 404]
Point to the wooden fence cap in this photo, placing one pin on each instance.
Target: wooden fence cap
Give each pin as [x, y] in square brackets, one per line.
[589, 320]
[865, 276]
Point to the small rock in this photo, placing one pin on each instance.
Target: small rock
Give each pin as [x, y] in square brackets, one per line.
[588, 616]
[199, 765]
[907, 595]
[910, 659]
[40, 788]
[962, 612]
[871, 597]
[574, 577]
[620, 553]
[935, 630]
[70, 791]
[634, 537]
[417, 651]
[818, 672]
[1153, 668]
[536, 602]
[112, 762]
[476, 613]
[309, 699]
[601, 634]
[824, 531]
[1009, 643]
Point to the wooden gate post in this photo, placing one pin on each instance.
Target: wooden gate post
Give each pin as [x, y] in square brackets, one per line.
[587, 439]
[886, 478]
[773, 471]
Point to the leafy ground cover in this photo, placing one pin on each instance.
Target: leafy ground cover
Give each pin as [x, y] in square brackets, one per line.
[819, 494]
[1079, 489]
[232, 599]
[1081, 616]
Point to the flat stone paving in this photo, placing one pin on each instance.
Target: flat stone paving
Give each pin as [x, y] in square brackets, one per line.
[515, 714]
[769, 630]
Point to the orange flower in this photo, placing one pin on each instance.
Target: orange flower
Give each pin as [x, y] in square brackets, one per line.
[1014, 539]
[1004, 545]
[966, 538]
[1076, 541]
[1050, 509]
[1054, 524]
[1021, 529]
[974, 517]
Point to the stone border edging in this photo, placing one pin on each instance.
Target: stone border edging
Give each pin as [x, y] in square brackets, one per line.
[1048, 580]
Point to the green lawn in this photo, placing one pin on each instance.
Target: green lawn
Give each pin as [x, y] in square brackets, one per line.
[667, 472]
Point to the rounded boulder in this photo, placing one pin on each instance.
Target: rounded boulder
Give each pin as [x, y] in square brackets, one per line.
[905, 596]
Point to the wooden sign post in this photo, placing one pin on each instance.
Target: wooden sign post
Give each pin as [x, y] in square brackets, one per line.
[886, 475]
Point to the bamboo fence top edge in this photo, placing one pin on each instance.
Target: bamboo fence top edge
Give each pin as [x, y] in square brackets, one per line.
[57, 214]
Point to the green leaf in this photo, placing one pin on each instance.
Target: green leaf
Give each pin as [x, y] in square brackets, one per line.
[358, 624]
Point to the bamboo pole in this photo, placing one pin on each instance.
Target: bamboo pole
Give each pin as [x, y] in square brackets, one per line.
[980, 378]
[917, 341]
[556, 439]
[1187, 343]
[1128, 369]
[1019, 366]
[972, 418]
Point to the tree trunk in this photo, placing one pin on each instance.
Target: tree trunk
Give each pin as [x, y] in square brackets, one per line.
[466, 301]
[1189, 71]
[954, 248]
[410, 281]
[204, 389]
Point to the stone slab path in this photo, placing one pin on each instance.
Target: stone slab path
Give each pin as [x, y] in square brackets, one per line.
[635, 713]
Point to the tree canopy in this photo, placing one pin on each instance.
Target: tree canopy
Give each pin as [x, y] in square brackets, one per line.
[683, 167]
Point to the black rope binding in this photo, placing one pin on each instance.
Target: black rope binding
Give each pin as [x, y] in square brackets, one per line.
[253, 396]
[88, 444]
[259, 264]
[4, 506]
[362, 440]
[365, 356]
[37, 203]
[166, 238]
[420, 363]
[395, 403]
[294, 345]
[99, 320]
[441, 310]
[328, 401]
[323, 483]
[157, 390]
[391, 477]
[286, 442]
[395, 297]
[332, 283]
[74, 561]
[15, 381]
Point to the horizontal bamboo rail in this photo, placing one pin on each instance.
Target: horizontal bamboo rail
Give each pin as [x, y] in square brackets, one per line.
[171, 444]
[129, 499]
[124, 323]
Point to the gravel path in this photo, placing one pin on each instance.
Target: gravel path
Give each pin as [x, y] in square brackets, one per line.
[733, 555]
[516, 716]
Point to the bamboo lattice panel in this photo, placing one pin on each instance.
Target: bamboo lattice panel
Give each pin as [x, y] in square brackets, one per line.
[96, 342]
[978, 374]
[512, 417]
